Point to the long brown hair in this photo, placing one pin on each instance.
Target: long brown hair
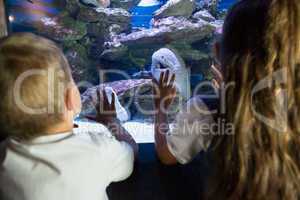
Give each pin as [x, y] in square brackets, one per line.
[261, 160]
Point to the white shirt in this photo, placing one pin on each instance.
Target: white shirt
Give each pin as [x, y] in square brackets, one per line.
[63, 167]
[191, 131]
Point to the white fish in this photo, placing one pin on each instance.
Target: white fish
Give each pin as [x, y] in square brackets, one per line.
[170, 60]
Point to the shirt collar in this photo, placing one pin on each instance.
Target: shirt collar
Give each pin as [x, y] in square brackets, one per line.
[45, 139]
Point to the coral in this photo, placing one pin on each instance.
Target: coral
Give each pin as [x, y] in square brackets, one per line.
[98, 36]
[62, 28]
[176, 8]
[125, 4]
[204, 15]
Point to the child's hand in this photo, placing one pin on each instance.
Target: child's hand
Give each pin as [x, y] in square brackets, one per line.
[107, 115]
[164, 91]
[106, 112]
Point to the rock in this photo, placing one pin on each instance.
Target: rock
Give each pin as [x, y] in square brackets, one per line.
[204, 15]
[219, 26]
[134, 95]
[210, 5]
[189, 53]
[176, 8]
[116, 29]
[167, 30]
[122, 57]
[124, 89]
[97, 3]
[105, 15]
[77, 64]
[125, 4]
[72, 7]
[142, 74]
[142, 44]
[61, 28]
[114, 53]
[105, 31]
[105, 22]
[81, 66]
[97, 29]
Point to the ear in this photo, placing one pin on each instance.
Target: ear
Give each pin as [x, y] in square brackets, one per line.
[72, 99]
[69, 99]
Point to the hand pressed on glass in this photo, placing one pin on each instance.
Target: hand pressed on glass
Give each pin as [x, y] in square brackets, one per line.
[164, 91]
[106, 111]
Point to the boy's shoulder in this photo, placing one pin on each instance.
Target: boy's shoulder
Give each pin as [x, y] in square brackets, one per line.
[80, 146]
[93, 134]
[101, 141]
[118, 156]
[93, 138]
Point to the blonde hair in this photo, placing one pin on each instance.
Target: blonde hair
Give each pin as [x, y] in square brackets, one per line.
[34, 74]
[261, 38]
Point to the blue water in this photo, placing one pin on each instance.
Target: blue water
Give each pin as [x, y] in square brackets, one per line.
[141, 16]
[225, 4]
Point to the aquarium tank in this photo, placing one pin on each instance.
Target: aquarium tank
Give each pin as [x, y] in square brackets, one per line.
[122, 44]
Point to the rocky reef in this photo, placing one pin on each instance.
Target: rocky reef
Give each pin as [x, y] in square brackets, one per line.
[97, 3]
[176, 8]
[135, 95]
[97, 34]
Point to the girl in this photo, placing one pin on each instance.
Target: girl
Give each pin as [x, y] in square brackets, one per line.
[260, 45]
[260, 58]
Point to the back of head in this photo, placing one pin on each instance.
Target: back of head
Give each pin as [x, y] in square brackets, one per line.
[260, 55]
[34, 74]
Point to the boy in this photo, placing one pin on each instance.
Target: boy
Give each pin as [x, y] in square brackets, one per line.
[41, 157]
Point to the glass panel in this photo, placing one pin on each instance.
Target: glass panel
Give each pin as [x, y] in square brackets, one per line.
[125, 38]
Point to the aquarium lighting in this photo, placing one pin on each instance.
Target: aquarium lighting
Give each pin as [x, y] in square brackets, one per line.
[11, 18]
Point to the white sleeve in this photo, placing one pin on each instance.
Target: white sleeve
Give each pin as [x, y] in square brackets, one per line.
[190, 134]
[121, 161]
[117, 158]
